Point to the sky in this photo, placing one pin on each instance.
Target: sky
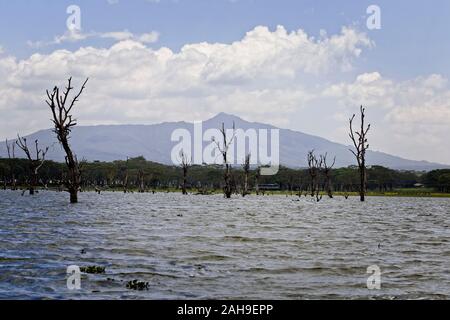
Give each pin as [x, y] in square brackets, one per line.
[302, 65]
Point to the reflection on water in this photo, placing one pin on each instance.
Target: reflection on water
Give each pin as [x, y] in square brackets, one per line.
[207, 247]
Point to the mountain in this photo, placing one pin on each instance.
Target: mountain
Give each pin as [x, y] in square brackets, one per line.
[117, 142]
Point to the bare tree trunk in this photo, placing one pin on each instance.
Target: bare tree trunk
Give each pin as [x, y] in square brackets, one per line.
[141, 178]
[35, 164]
[184, 189]
[360, 143]
[327, 172]
[362, 180]
[73, 195]
[246, 167]
[74, 174]
[63, 123]
[315, 167]
[227, 189]
[227, 178]
[185, 164]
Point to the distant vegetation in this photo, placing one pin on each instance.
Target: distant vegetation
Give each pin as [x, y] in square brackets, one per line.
[137, 173]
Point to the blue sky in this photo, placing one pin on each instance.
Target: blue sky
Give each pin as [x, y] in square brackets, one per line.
[152, 61]
[413, 39]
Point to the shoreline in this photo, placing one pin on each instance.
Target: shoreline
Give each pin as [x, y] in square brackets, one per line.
[389, 194]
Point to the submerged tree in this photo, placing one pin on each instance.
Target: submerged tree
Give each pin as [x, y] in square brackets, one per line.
[223, 149]
[327, 173]
[185, 164]
[125, 178]
[141, 180]
[360, 143]
[314, 167]
[63, 122]
[35, 163]
[246, 167]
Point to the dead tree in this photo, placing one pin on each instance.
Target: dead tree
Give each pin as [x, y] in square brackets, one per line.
[63, 123]
[11, 148]
[141, 180]
[360, 143]
[311, 158]
[327, 173]
[111, 177]
[246, 167]
[223, 149]
[314, 167]
[35, 163]
[125, 180]
[185, 164]
[81, 165]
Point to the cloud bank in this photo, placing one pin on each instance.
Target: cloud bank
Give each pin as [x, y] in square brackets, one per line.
[76, 36]
[274, 76]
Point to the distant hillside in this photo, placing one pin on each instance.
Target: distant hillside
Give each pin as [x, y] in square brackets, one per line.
[117, 142]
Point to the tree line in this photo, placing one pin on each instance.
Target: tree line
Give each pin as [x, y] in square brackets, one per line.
[140, 175]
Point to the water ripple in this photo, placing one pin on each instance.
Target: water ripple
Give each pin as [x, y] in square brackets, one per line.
[205, 247]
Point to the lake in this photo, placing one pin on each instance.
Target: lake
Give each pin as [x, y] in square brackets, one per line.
[208, 247]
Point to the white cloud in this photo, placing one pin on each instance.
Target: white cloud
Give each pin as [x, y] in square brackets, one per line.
[134, 82]
[269, 76]
[369, 89]
[117, 35]
[150, 37]
[414, 115]
[76, 36]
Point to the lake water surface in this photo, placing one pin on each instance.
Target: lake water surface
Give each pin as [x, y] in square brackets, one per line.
[208, 247]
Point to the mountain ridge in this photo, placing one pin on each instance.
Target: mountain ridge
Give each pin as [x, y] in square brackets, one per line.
[153, 141]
